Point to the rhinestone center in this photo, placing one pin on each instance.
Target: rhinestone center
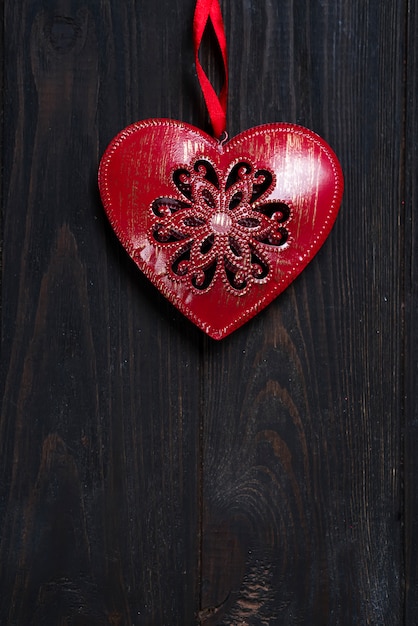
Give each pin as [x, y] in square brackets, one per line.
[221, 223]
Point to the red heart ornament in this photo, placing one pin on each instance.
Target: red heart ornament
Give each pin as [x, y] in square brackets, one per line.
[220, 228]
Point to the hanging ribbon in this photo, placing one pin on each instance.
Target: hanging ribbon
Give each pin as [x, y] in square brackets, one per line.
[210, 10]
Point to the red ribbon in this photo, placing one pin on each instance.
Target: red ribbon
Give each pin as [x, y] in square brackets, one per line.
[210, 10]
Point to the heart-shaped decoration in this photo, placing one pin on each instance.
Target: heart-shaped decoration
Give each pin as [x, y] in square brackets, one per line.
[220, 228]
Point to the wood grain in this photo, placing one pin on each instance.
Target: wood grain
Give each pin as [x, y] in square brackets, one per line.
[149, 475]
[410, 348]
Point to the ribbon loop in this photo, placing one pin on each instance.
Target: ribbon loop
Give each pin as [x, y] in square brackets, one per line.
[216, 105]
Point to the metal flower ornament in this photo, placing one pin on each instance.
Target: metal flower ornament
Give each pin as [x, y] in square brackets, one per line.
[220, 227]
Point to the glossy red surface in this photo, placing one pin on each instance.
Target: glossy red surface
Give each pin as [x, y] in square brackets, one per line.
[221, 229]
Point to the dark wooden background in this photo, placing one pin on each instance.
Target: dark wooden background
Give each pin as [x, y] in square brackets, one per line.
[149, 475]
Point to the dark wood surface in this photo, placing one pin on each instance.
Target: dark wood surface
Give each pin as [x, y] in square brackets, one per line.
[410, 406]
[149, 475]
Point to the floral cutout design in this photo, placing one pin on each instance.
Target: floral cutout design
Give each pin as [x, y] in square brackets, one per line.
[222, 226]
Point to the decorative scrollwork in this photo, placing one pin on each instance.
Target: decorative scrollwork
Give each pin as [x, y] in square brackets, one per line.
[222, 226]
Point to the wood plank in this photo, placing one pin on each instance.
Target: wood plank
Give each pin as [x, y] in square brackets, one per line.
[302, 432]
[100, 421]
[411, 330]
